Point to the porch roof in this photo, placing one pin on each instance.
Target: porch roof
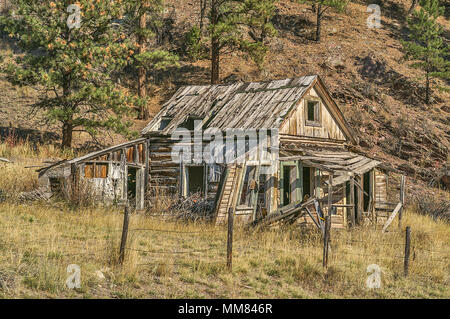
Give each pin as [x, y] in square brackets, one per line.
[344, 164]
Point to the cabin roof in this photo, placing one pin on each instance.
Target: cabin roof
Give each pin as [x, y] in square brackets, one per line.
[91, 155]
[255, 105]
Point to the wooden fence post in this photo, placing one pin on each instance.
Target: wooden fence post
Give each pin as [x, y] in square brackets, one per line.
[230, 240]
[407, 249]
[123, 242]
[326, 239]
[402, 200]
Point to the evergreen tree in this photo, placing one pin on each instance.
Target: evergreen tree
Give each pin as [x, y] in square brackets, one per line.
[238, 25]
[320, 7]
[71, 54]
[425, 45]
[142, 18]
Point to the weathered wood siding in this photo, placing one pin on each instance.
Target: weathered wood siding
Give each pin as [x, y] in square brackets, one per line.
[380, 189]
[295, 123]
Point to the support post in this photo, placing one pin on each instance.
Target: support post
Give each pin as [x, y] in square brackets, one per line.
[352, 201]
[326, 239]
[360, 208]
[407, 249]
[230, 240]
[123, 242]
[330, 192]
[402, 200]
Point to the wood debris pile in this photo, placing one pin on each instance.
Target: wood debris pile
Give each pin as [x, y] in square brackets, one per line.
[37, 194]
[194, 208]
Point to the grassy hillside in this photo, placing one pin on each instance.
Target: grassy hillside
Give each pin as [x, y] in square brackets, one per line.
[382, 97]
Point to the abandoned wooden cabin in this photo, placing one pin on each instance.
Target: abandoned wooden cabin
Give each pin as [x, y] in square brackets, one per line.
[113, 175]
[310, 155]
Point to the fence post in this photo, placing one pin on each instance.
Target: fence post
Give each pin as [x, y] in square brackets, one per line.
[407, 249]
[326, 239]
[123, 242]
[402, 200]
[230, 240]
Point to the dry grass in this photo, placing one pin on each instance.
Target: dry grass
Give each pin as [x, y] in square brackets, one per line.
[173, 260]
[187, 260]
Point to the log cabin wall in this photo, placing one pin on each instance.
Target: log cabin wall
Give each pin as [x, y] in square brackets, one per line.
[168, 177]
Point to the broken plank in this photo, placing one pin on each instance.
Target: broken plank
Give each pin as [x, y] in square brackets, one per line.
[391, 218]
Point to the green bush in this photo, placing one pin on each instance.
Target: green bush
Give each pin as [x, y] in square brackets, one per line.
[195, 49]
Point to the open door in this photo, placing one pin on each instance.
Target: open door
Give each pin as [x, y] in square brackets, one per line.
[195, 179]
[131, 184]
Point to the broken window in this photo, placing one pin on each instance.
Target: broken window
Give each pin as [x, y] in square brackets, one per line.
[190, 122]
[96, 170]
[164, 122]
[313, 113]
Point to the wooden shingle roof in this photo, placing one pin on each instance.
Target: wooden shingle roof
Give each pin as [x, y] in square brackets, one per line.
[239, 105]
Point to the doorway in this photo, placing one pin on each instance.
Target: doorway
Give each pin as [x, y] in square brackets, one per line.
[131, 184]
[195, 179]
[287, 194]
[367, 193]
[306, 183]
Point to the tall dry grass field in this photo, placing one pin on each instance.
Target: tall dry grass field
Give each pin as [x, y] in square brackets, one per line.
[166, 259]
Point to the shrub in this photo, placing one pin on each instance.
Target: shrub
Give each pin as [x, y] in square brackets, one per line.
[194, 47]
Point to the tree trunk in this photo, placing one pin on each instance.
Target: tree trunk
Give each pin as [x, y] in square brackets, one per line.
[319, 21]
[142, 73]
[67, 132]
[202, 13]
[413, 6]
[215, 61]
[215, 45]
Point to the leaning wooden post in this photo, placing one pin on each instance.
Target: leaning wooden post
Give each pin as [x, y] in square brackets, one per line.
[123, 242]
[326, 238]
[230, 240]
[402, 200]
[330, 192]
[407, 249]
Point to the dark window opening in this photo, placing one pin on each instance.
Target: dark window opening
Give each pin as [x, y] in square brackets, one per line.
[313, 113]
[190, 123]
[306, 183]
[55, 185]
[287, 193]
[131, 183]
[366, 187]
[196, 178]
[164, 123]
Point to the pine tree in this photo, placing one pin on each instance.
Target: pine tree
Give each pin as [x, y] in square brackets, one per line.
[71, 55]
[143, 17]
[425, 45]
[320, 7]
[238, 25]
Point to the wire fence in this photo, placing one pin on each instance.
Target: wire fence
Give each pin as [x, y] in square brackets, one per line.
[219, 251]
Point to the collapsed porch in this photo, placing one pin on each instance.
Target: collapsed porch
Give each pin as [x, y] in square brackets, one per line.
[354, 185]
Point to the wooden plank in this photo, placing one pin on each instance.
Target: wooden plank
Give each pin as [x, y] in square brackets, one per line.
[391, 218]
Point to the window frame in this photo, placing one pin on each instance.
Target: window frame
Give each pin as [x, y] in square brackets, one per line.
[317, 112]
